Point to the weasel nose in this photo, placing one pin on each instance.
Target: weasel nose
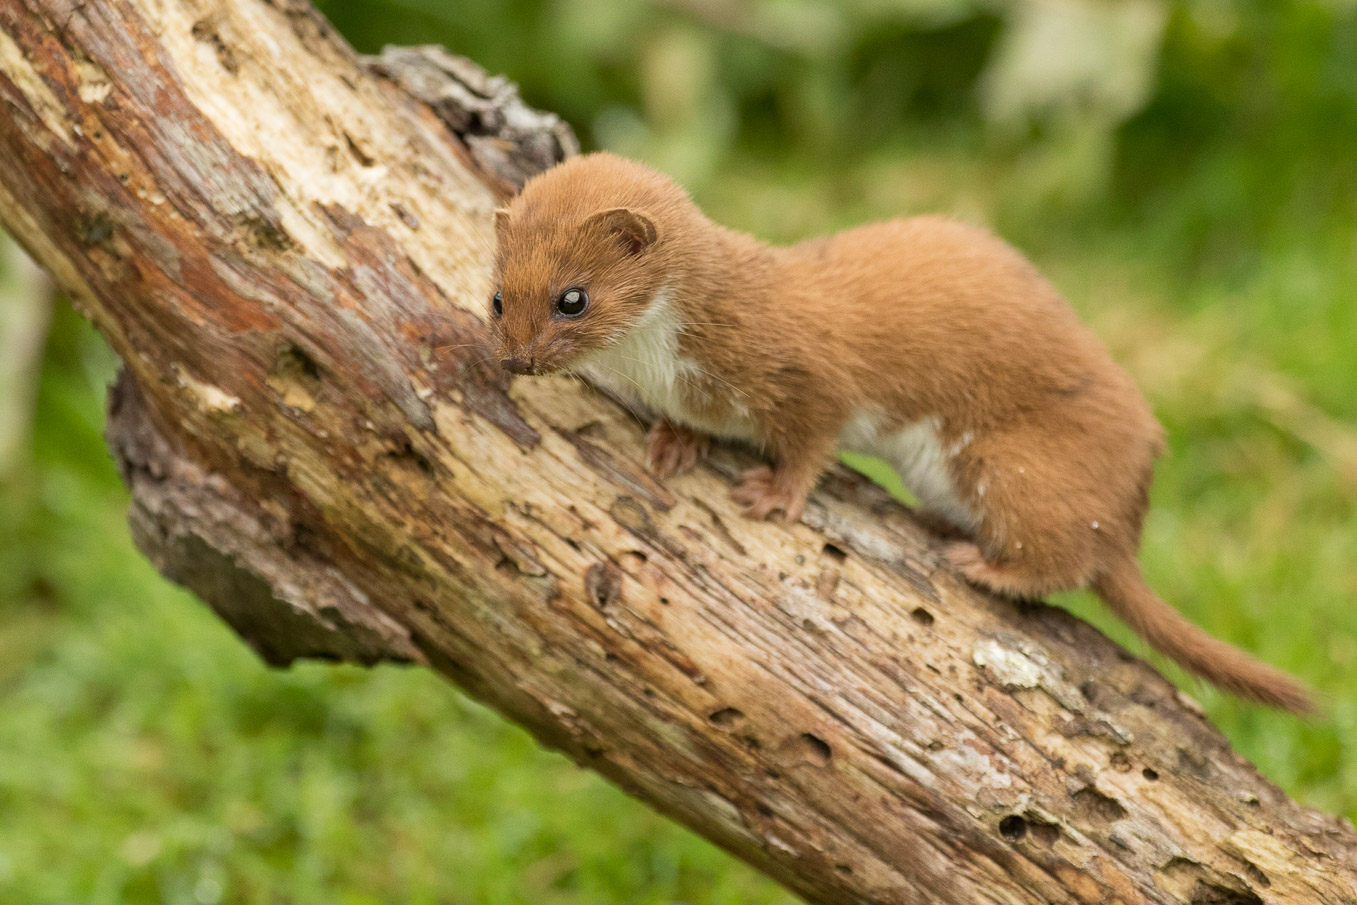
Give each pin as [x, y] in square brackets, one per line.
[517, 365]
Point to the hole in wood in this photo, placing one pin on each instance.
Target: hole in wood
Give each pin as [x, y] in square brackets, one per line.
[834, 553]
[1205, 893]
[603, 583]
[364, 159]
[812, 749]
[204, 31]
[293, 362]
[631, 560]
[403, 212]
[726, 717]
[1098, 806]
[922, 616]
[1013, 827]
[1150, 774]
[405, 452]
[96, 230]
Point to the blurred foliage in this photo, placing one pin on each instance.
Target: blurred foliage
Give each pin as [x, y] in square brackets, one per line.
[1184, 171]
[1085, 102]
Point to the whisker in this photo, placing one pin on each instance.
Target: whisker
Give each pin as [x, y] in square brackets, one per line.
[689, 380]
[482, 361]
[726, 383]
[441, 350]
[639, 416]
[639, 388]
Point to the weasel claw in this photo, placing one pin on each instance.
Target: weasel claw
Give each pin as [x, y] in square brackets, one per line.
[674, 450]
[761, 493]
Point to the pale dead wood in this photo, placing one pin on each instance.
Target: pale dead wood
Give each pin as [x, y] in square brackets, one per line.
[290, 255]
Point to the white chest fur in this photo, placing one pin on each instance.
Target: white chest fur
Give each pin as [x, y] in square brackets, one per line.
[918, 454]
[645, 367]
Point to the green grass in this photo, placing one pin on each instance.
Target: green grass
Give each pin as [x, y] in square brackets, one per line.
[147, 756]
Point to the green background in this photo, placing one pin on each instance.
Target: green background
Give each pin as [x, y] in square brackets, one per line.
[1185, 173]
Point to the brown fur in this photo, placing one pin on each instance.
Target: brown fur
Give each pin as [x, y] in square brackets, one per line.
[1052, 445]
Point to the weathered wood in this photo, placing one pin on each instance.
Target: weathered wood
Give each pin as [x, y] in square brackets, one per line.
[290, 255]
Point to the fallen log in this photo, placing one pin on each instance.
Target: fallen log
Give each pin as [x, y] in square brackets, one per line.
[288, 247]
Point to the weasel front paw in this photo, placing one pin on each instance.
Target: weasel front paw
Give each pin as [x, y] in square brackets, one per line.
[763, 491]
[672, 449]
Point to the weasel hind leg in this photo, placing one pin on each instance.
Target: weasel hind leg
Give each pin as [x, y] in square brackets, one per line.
[1023, 577]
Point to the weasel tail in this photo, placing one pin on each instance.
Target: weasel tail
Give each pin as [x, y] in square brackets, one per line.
[1125, 592]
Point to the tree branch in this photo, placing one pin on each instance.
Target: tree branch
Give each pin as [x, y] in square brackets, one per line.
[290, 255]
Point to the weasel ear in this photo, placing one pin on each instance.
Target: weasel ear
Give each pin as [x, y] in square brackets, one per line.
[632, 229]
[501, 221]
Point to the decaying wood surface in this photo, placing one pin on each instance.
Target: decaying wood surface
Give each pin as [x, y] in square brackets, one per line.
[289, 252]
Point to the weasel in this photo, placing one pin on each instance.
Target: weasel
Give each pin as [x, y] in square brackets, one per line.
[925, 342]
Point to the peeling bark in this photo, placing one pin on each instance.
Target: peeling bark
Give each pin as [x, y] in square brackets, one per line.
[290, 255]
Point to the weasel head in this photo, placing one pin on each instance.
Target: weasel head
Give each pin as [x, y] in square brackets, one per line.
[574, 269]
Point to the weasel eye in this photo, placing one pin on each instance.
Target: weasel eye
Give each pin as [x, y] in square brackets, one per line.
[573, 302]
[497, 305]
